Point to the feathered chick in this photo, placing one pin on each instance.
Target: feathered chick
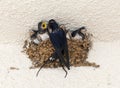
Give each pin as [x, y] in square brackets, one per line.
[42, 27]
[78, 33]
[41, 33]
[74, 34]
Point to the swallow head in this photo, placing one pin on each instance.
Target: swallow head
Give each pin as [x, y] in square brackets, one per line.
[42, 27]
[53, 25]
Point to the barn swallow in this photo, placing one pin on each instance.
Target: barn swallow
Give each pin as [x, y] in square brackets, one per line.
[76, 34]
[58, 39]
[40, 34]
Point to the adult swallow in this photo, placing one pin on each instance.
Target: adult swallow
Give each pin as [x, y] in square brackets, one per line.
[59, 41]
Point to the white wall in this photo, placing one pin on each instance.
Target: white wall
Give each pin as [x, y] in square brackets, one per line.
[101, 17]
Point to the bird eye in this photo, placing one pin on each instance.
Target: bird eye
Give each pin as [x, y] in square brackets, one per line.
[44, 25]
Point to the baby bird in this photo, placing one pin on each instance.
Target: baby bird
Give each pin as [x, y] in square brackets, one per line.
[74, 34]
[40, 34]
[78, 34]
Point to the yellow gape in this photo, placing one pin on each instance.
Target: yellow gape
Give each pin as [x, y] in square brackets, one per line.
[44, 25]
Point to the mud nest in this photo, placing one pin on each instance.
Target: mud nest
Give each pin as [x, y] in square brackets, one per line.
[78, 51]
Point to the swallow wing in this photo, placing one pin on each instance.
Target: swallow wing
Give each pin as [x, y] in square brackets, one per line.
[59, 42]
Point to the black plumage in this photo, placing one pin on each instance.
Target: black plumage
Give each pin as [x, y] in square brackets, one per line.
[59, 41]
[78, 31]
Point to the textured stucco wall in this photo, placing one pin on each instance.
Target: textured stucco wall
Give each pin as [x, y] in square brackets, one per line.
[101, 17]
